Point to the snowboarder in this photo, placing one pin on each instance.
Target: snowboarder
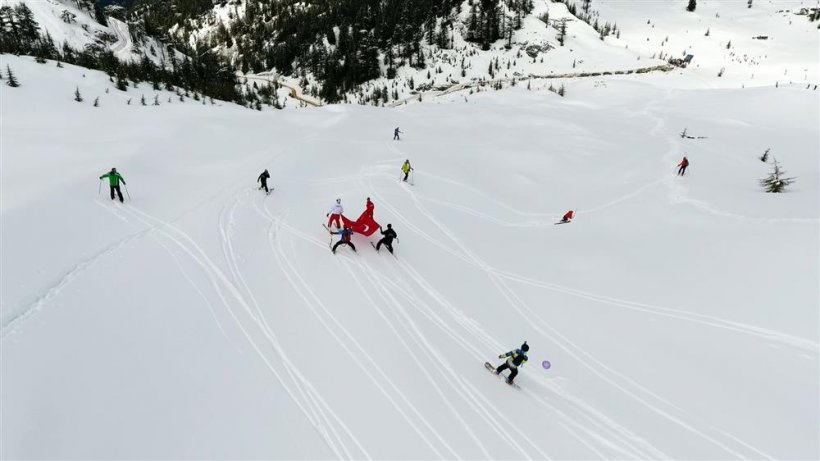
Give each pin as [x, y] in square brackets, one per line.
[344, 238]
[114, 179]
[335, 214]
[369, 207]
[396, 134]
[263, 178]
[567, 217]
[387, 240]
[515, 359]
[406, 168]
[683, 164]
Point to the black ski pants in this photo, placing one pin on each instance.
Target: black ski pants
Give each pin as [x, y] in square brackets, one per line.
[388, 243]
[682, 171]
[119, 192]
[513, 371]
[342, 242]
[406, 175]
[264, 186]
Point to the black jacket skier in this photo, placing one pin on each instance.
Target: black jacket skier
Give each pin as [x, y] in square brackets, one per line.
[387, 240]
[515, 359]
[263, 178]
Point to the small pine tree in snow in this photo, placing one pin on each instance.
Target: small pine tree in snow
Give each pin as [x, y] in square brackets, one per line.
[729, 45]
[561, 90]
[142, 100]
[122, 84]
[156, 100]
[97, 101]
[765, 157]
[128, 102]
[775, 182]
[59, 64]
[692, 5]
[77, 96]
[11, 80]
[708, 31]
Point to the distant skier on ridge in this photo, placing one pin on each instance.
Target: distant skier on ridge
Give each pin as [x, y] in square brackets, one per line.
[263, 178]
[683, 164]
[114, 179]
[515, 359]
[567, 217]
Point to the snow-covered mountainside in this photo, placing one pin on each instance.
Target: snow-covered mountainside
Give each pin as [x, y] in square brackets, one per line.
[67, 23]
[204, 319]
[771, 42]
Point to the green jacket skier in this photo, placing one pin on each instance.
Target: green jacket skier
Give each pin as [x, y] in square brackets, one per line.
[114, 179]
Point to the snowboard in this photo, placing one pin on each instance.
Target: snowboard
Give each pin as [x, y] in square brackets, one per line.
[562, 222]
[491, 369]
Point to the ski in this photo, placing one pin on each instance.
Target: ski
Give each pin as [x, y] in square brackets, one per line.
[377, 251]
[562, 223]
[491, 369]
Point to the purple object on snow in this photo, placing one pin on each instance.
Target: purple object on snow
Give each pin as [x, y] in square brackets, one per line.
[546, 364]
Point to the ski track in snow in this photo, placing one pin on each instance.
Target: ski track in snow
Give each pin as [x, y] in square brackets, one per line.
[596, 366]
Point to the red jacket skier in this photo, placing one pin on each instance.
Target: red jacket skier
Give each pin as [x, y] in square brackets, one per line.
[683, 164]
[370, 207]
[567, 217]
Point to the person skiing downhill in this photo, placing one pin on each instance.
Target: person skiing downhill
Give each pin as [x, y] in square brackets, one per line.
[515, 359]
[406, 168]
[387, 240]
[344, 238]
[369, 207]
[335, 214]
[263, 178]
[114, 179]
[567, 217]
[396, 133]
[683, 164]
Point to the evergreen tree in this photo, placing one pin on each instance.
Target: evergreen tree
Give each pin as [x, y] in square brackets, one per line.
[692, 5]
[765, 157]
[11, 80]
[142, 100]
[775, 182]
[97, 101]
[77, 96]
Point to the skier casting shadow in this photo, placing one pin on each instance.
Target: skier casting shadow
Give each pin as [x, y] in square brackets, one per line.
[683, 164]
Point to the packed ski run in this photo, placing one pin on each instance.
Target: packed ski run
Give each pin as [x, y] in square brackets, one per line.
[511, 274]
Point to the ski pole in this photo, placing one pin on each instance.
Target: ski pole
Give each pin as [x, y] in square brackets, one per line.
[126, 192]
[99, 189]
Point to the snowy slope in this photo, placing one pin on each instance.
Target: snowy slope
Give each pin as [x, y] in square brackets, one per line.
[204, 319]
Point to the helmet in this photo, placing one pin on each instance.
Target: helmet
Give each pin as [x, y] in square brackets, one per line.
[338, 200]
[113, 169]
[525, 347]
[389, 226]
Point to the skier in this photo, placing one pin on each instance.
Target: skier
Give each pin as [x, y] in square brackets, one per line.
[396, 133]
[344, 238]
[114, 179]
[369, 208]
[567, 217]
[263, 178]
[406, 168]
[683, 164]
[387, 240]
[515, 359]
[335, 213]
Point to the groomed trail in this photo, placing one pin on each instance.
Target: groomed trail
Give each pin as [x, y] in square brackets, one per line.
[205, 319]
